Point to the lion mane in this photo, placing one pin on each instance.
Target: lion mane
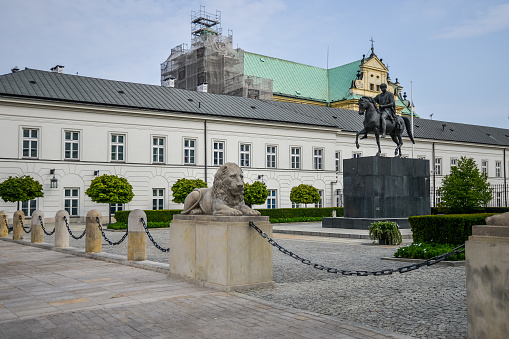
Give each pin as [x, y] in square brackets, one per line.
[220, 187]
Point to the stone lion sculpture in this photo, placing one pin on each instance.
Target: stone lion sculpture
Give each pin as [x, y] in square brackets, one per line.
[225, 197]
[498, 219]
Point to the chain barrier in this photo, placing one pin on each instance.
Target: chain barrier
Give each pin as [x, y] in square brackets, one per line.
[104, 235]
[44, 230]
[23, 226]
[152, 239]
[70, 232]
[388, 271]
[9, 229]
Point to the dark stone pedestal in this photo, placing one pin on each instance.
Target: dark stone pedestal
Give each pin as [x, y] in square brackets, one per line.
[378, 188]
[360, 223]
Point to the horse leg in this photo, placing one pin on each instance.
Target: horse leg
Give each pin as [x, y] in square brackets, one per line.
[362, 131]
[397, 151]
[377, 137]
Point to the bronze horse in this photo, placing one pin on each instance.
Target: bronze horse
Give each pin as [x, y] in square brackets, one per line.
[367, 107]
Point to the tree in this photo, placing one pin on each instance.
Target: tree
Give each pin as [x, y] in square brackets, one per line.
[185, 186]
[110, 189]
[22, 188]
[255, 193]
[304, 194]
[465, 189]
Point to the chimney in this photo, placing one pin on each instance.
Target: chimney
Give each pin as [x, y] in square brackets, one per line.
[58, 69]
[15, 69]
[169, 82]
[203, 87]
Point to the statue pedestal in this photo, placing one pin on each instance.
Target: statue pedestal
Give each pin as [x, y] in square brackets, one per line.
[487, 274]
[380, 188]
[220, 252]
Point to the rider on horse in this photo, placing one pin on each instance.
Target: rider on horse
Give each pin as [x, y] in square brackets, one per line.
[387, 106]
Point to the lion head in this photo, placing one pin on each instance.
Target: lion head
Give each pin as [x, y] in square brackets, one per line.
[229, 184]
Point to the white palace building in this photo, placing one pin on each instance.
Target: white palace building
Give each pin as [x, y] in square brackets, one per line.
[63, 130]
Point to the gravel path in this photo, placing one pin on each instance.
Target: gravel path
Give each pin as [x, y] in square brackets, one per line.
[426, 303]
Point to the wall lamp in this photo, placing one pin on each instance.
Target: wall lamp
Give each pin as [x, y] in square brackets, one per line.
[54, 180]
[261, 177]
[96, 173]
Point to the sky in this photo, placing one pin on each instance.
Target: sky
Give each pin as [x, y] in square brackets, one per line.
[451, 55]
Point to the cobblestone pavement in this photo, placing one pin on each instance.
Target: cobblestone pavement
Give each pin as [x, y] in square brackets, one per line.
[48, 294]
[426, 303]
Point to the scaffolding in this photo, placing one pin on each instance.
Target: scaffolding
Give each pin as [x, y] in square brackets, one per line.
[213, 61]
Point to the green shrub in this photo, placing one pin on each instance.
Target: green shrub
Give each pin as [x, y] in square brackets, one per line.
[296, 219]
[437, 210]
[151, 224]
[427, 251]
[445, 229]
[152, 216]
[386, 232]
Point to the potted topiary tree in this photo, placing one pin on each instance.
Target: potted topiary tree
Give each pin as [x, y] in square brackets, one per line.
[386, 232]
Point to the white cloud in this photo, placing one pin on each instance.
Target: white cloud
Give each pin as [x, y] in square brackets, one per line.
[495, 19]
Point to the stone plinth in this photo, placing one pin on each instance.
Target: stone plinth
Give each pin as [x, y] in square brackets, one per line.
[220, 252]
[137, 238]
[487, 276]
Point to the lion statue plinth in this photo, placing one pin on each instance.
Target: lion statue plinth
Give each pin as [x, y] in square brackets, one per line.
[225, 197]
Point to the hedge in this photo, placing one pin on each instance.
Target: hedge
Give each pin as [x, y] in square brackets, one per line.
[437, 210]
[276, 213]
[445, 229]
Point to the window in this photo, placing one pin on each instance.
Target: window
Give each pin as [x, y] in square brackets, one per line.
[245, 155]
[378, 87]
[318, 158]
[484, 166]
[116, 207]
[30, 143]
[158, 198]
[498, 169]
[271, 199]
[158, 149]
[117, 147]
[218, 153]
[189, 151]
[371, 87]
[437, 197]
[337, 158]
[28, 207]
[320, 203]
[71, 200]
[253, 93]
[454, 162]
[357, 154]
[438, 166]
[294, 205]
[295, 157]
[339, 198]
[71, 146]
[271, 156]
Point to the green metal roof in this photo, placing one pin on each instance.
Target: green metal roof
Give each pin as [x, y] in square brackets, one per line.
[340, 80]
[289, 78]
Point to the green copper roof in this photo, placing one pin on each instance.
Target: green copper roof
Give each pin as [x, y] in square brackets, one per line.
[340, 80]
[289, 78]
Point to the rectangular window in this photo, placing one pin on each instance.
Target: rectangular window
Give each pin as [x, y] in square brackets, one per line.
[320, 203]
[378, 88]
[71, 200]
[339, 198]
[158, 198]
[294, 205]
[245, 155]
[295, 157]
[438, 166]
[116, 207]
[498, 169]
[28, 207]
[484, 166]
[117, 147]
[30, 143]
[271, 156]
[337, 160]
[189, 151]
[71, 145]
[318, 159]
[218, 153]
[454, 162]
[437, 197]
[158, 149]
[357, 154]
[371, 87]
[271, 199]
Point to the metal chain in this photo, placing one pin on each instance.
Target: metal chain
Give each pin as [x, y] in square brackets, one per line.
[9, 229]
[152, 239]
[42, 225]
[23, 226]
[70, 232]
[388, 271]
[104, 235]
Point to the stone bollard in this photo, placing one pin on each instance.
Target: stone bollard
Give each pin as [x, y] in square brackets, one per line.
[137, 245]
[487, 275]
[37, 234]
[17, 230]
[61, 232]
[4, 231]
[93, 237]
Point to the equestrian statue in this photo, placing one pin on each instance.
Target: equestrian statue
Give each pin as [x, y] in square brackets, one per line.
[383, 120]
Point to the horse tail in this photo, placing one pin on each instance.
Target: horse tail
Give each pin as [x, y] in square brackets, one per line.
[408, 126]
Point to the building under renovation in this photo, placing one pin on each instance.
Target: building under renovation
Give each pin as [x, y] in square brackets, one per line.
[212, 65]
